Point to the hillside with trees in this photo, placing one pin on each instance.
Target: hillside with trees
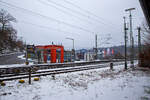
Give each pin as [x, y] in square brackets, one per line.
[8, 34]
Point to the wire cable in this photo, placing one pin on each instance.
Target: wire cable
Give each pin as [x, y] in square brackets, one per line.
[63, 11]
[46, 27]
[84, 15]
[46, 17]
[58, 5]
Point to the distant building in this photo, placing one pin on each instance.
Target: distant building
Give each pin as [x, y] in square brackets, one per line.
[89, 56]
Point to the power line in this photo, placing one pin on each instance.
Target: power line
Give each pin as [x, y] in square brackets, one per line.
[88, 12]
[63, 11]
[46, 27]
[49, 18]
[56, 7]
[104, 42]
[79, 8]
[46, 17]
[74, 11]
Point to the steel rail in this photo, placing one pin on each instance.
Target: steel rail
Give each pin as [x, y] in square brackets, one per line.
[25, 68]
[52, 72]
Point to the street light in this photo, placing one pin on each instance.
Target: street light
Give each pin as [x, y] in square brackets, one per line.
[73, 51]
[129, 9]
[131, 37]
[72, 41]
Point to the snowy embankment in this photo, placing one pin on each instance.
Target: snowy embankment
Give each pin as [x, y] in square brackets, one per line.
[23, 57]
[97, 84]
[18, 65]
[8, 54]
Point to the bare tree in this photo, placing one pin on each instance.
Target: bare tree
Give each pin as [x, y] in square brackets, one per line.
[7, 33]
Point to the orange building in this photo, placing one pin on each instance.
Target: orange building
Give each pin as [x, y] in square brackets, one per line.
[52, 49]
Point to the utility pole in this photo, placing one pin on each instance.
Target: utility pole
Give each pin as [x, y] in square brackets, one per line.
[96, 46]
[131, 38]
[26, 55]
[125, 40]
[139, 45]
[74, 51]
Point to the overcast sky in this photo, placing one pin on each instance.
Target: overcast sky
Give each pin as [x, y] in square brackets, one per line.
[55, 20]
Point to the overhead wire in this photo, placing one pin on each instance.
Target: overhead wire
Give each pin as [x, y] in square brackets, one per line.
[63, 11]
[23, 9]
[46, 17]
[77, 12]
[67, 8]
[50, 18]
[56, 7]
[46, 27]
[86, 11]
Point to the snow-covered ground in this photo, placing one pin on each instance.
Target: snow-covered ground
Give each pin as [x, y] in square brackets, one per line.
[15, 65]
[7, 54]
[23, 57]
[31, 62]
[97, 84]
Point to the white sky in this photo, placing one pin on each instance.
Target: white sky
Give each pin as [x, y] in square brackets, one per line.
[44, 31]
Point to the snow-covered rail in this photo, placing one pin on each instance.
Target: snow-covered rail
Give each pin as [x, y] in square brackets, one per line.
[35, 67]
[7, 77]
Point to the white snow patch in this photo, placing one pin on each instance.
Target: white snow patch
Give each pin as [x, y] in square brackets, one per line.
[22, 57]
[8, 54]
[97, 84]
[15, 65]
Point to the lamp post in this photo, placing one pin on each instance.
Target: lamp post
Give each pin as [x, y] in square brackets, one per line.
[125, 40]
[73, 51]
[131, 37]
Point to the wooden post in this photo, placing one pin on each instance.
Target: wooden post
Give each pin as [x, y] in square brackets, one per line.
[53, 76]
[111, 66]
[29, 75]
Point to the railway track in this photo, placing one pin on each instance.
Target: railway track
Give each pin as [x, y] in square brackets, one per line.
[39, 73]
[35, 67]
